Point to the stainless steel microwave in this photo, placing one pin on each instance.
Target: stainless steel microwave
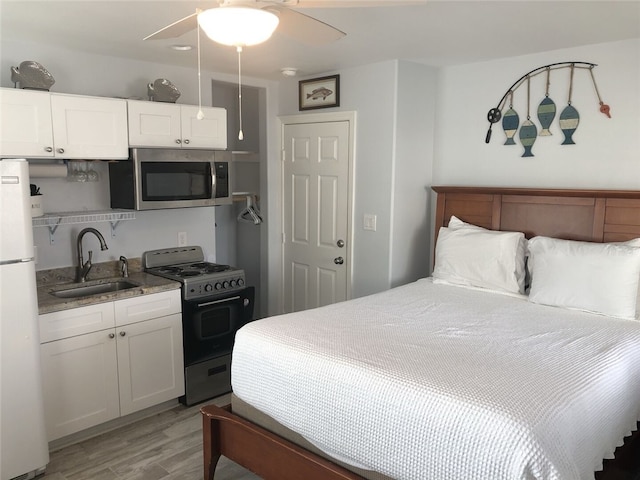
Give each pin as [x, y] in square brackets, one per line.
[156, 178]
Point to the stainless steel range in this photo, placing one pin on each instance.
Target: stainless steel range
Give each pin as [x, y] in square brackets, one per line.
[199, 279]
[215, 304]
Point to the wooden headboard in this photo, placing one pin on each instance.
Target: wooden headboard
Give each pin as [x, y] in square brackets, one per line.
[588, 215]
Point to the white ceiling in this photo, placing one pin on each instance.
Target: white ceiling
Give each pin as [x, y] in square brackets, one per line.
[435, 32]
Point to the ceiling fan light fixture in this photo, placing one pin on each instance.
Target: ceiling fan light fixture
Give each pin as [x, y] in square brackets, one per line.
[238, 26]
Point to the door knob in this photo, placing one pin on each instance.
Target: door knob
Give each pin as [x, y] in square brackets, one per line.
[61, 150]
[187, 141]
[112, 335]
[123, 333]
[340, 243]
[48, 149]
[338, 260]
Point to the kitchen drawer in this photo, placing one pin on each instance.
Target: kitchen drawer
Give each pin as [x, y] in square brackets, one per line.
[146, 307]
[76, 321]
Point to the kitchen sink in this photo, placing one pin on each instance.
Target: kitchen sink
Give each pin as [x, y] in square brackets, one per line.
[82, 290]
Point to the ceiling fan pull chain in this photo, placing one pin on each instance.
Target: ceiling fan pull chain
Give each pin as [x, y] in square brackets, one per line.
[240, 134]
[200, 114]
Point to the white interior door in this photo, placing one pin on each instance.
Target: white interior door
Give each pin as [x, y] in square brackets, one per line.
[316, 214]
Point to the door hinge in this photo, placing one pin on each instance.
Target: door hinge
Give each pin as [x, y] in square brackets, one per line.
[284, 238]
[283, 156]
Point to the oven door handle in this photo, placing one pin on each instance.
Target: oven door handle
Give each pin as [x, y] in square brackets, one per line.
[223, 300]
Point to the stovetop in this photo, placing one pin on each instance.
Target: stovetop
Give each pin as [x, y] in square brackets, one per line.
[199, 279]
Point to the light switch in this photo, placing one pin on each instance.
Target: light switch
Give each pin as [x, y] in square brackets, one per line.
[370, 221]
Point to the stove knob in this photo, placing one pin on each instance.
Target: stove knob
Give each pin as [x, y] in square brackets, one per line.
[240, 282]
[225, 284]
[208, 287]
[218, 286]
[232, 283]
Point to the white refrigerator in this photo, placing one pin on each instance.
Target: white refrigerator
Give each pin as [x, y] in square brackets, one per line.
[23, 441]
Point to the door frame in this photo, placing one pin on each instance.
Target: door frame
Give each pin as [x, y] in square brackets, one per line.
[350, 118]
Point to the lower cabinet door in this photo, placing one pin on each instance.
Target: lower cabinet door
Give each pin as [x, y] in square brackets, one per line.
[150, 362]
[80, 382]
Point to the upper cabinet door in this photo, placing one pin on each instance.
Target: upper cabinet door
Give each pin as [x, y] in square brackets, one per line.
[207, 132]
[25, 123]
[154, 124]
[89, 127]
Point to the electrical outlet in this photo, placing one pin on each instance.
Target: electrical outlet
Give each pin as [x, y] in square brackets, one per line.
[182, 239]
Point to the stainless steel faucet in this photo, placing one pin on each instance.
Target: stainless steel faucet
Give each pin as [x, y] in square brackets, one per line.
[83, 268]
[124, 266]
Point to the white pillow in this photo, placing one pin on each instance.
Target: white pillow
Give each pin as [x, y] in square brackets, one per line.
[521, 272]
[595, 277]
[480, 258]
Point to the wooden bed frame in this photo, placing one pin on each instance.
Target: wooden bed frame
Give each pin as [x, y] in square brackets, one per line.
[588, 215]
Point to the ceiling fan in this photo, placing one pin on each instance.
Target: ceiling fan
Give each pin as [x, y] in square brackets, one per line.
[289, 22]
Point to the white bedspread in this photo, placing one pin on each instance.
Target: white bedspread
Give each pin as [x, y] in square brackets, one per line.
[441, 382]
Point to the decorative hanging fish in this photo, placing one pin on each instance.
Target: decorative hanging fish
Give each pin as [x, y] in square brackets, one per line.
[528, 134]
[569, 120]
[546, 114]
[510, 122]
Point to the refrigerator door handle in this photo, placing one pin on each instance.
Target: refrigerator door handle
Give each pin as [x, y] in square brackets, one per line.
[18, 260]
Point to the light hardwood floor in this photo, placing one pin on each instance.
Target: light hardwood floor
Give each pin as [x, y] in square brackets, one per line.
[165, 446]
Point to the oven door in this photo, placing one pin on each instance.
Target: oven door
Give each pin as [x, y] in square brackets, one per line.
[210, 325]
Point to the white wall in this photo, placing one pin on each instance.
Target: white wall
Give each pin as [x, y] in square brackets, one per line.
[413, 163]
[606, 153]
[79, 73]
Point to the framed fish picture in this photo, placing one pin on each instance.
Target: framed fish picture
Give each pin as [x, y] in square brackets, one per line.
[323, 92]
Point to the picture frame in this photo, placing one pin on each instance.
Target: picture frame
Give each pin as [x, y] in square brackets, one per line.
[321, 92]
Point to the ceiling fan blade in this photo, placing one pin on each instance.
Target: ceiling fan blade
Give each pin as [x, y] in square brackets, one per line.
[305, 28]
[176, 29]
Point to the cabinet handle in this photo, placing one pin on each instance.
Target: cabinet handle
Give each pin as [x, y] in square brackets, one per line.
[48, 149]
[112, 335]
[178, 141]
[122, 334]
[187, 141]
[61, 150]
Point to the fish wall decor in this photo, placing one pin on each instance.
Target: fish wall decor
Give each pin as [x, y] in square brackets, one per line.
[569, 118]
[546, 114]
[510, 122]
[528, 135]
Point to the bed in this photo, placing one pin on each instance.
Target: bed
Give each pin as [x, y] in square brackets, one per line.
[493, 384]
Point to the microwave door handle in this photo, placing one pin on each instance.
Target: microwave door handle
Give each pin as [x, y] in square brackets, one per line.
[213, 180]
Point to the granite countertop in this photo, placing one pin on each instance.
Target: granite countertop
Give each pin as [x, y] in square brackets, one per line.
[51, 280]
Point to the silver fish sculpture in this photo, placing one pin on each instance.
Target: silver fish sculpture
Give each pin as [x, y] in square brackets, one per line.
[569, 120]
[510, 122]
[528, 134]
[32, 75]
[162, 90]
[321, 92]
[546, 114]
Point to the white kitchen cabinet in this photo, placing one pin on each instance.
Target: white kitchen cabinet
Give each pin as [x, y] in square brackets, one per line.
[39, 124]
[157, 124]
[150, 354]
[25, 123]
[80, 382]
[130, 361]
